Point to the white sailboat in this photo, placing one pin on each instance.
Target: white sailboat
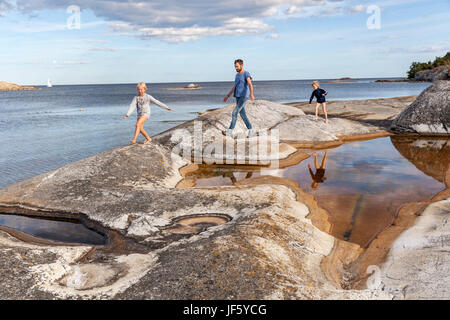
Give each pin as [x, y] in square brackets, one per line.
[49, 84]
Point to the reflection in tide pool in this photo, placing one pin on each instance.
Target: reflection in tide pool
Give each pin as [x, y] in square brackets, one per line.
[361, 184]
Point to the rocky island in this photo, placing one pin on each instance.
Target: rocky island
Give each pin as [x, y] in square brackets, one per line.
[430, 71]
[190, 86]
[439, 69]
[262, 238]
[4, 86]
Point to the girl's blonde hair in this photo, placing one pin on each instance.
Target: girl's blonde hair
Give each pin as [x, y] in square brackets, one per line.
[142, 84]
[315, 83]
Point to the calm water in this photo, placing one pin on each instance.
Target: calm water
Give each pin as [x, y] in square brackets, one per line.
[52, 229]
[45, 129]
[364, 185]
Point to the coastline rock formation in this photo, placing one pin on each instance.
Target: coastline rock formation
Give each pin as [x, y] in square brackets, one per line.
[12, 86]
[246, 242]
[429, 114]
[438, 73]
[249, 241]
[396, 80]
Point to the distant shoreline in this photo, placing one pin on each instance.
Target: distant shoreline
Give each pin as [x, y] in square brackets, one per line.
[7, 86]
[221, 81]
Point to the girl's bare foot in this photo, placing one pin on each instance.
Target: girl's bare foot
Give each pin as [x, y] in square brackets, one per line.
[133, 141]
[326, 121]
[315, 119]
[148, 140]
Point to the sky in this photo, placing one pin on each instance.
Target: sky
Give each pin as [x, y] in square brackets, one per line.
[128, 41]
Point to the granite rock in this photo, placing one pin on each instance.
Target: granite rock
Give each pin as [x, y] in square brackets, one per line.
[429, 114]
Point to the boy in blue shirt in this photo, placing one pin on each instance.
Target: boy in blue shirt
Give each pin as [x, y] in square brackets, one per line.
[320, 96]
[242, 89]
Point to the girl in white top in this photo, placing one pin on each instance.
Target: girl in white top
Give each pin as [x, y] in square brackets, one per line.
[142, 103]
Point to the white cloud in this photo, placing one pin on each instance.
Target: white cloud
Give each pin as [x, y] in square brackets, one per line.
[5, 6]
[440, 48]
[96, 41]
[357, 9]
[293, 10]
[180, 20]
[68, 63]
[232, 27]
[95, 48]
[38, 26]
[101, 49]
[327, 12]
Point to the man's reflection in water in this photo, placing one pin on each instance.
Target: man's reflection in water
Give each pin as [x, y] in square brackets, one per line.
[319, 176]
[233, 179]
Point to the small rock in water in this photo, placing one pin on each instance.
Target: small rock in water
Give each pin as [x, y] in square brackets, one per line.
[192, 86]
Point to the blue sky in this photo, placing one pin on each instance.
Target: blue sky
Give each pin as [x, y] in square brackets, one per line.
[123, 41]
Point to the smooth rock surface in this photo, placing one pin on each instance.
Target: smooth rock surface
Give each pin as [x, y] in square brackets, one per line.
[375, 111]
[274, 124]
[267, 250]
[429, 114]
[305, 130]
[202, 138]
[418, 266]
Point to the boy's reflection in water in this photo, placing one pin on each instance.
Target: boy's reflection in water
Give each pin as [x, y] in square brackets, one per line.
[319, 176]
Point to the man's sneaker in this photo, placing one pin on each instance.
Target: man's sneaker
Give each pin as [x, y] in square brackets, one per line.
[251, 133]
[228, 132]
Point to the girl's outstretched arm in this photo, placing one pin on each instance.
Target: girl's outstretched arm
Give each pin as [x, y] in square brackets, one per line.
[159, 103]
[132, 107]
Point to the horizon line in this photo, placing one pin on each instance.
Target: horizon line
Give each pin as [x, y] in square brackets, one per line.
[213, 81]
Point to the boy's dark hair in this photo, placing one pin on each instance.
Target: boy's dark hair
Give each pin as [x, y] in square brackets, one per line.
[239, 61]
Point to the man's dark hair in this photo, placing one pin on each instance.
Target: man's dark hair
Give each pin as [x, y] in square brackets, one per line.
[239, 61]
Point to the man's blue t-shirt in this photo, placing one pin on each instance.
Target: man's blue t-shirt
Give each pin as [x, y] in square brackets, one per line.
[240, 81]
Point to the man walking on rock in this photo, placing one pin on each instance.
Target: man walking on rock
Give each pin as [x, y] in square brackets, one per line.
[242, 89]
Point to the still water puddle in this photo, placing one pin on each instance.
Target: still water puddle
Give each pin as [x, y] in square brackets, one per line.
[361, 185]
[52, 229]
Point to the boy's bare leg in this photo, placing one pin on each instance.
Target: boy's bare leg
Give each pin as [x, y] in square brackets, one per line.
[317, 111]
[315, 161]
[324, 109]
[324, 160]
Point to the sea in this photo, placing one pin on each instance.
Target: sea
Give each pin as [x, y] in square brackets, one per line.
[41, 130]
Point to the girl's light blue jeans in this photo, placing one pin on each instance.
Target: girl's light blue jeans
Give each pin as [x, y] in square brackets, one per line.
[240, 101]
